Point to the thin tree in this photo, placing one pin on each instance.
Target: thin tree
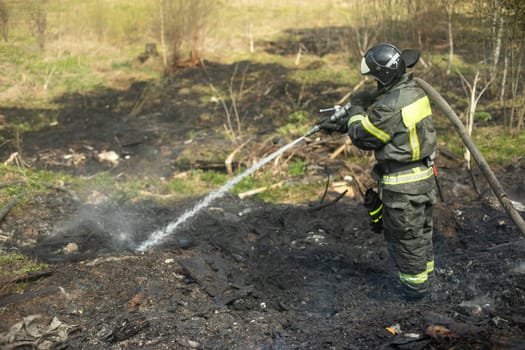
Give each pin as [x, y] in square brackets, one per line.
[449, 8]
[162, 35]
[38, 18]
[517, 59]
[472, 92]
[498, 25]
[4, 20]
[515, 10]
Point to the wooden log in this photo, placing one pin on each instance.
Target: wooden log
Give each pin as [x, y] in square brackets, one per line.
[7, 208]
[25, 277]
[260, 190]
[229, 160]
[17, 298]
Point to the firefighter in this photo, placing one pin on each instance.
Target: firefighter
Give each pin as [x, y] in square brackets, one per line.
[395, 122]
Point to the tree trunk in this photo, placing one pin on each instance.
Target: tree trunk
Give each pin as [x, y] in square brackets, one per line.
[162, 36]
[474, 99]
[450, 42]
[498, 17]
[504, 80]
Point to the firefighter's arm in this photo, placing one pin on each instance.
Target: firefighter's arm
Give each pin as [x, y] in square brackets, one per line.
[369, 131]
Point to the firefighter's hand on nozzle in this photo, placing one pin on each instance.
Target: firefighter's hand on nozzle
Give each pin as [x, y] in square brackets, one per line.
[339, 125]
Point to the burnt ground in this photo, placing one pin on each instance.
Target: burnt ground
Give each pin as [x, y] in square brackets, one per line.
[242, 274]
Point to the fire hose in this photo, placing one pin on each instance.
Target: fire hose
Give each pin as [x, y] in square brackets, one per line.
[485, 169]
[496, 187]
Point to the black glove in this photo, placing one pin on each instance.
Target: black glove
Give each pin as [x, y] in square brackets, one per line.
[374, 206]
[362, 98]
[340, 125]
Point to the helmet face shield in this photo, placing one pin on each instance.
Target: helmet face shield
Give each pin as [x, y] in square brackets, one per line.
[364, 67]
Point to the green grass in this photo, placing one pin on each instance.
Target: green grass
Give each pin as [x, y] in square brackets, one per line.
[297, 168]
[335, 69]
[213, 178]
[298, 123]
[94, 44]
[15, 264]
[498, 147]
[494, 143]
[296, 193]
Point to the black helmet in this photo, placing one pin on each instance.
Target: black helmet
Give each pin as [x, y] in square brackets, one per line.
[384, 62]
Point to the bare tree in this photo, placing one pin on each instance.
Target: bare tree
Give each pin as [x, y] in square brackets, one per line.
[514, 12]
[367, 28]
[38, 21]
[449, 8]
[503, 84]
[4, 20]
[516, 105]
[183, 24]
[498, 23]
[472, 92]
[163, 35]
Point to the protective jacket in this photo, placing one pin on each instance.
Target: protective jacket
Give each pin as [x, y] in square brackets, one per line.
[399, 129]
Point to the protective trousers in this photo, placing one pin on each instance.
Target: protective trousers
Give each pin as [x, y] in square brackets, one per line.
[407, 220]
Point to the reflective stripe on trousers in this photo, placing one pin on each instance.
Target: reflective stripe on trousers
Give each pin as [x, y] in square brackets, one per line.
[417, 278]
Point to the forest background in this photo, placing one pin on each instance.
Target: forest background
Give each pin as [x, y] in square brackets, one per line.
[472, 52]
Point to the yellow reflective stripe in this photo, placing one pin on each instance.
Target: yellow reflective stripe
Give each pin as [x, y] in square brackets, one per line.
[376, 211]
[418, 278]
[414, 143]
[430, 266]
[356, 118]
[371, 128]
[414, 279]
[416, 112]
[416, 175]
[413, 114]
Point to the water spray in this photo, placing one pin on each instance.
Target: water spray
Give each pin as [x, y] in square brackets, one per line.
[160, 235]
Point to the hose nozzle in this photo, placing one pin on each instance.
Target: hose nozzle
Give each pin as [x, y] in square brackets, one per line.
[316, 128]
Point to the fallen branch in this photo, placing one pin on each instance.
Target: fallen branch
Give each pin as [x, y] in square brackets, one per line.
[45, 184]
[17, 298]
[229, 159]
[7, 208]
[449, 155]
[17, 159]
[340, 149]
[260, 190]
[360, 187]
[28, 276]
[11, 183]
[64, 189]
[157, 195]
